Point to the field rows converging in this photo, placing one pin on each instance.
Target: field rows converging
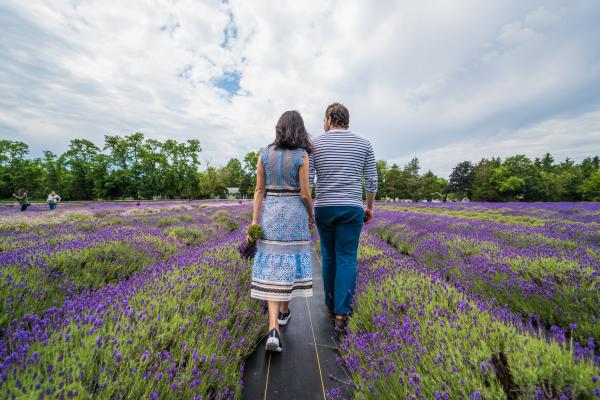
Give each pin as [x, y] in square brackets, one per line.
[152, 301]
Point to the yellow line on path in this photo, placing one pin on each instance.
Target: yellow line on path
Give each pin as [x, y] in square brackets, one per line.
[315, 341]
[268, 371]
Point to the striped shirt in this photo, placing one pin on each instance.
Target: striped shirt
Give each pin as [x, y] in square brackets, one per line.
[340, 160]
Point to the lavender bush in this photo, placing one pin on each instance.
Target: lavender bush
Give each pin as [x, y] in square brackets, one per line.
[178, 327]
[550, 273]
[413, 335]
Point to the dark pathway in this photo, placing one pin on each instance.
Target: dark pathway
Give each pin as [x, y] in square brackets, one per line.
[302, 370]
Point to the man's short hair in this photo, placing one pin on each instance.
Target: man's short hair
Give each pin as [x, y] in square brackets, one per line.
[339, 115]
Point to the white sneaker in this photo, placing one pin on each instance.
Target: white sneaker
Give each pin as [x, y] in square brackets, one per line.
[273, 341]
[284, 318]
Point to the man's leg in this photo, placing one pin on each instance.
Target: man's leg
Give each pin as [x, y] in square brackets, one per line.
[323, 217]
[347, 237]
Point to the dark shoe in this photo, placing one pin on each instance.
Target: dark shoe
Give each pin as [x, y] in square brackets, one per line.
[283, 319]
[341, 321]
[330, 313]
[273, 341]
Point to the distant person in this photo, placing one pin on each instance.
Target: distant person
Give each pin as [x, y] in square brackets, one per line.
[341, 160]
[282, 266]
[53, 200]
[21, 195]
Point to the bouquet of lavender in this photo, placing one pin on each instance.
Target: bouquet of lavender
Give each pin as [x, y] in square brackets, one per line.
[248, 248]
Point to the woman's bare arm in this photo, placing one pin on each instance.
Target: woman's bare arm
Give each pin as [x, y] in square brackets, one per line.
[305, 189]
[259, 191]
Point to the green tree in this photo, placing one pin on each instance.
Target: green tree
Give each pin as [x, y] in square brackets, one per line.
[249, 181]
[521, 167]
[14, 167]
[411, 180]
[153, 165]
[181, 168]
[483, 189]
[431, 186]
[589, 166]
[552, 186]
[510, 186]
[382, 169]
[394, 184]
[461, 179]
[590, 188]
[233, 173]
[211, 182]
[81, 158]
[571, 177]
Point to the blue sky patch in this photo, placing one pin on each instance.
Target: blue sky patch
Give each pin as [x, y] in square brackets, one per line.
[229, 82]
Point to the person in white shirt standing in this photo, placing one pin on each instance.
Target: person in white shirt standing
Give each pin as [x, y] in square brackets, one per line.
[53, 200]
[343, 162]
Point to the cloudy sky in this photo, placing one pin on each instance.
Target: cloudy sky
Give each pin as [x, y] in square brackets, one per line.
[445, 81]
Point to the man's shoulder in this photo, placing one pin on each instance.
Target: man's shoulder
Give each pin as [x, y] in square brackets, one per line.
[361, 138]
[325, 138]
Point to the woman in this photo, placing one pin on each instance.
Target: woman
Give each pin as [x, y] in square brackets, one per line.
[22, 197]
[282, 266]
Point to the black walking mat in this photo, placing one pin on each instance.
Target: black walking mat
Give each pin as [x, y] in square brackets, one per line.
[302, 370]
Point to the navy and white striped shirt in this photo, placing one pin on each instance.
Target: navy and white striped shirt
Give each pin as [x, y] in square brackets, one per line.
[340, 160]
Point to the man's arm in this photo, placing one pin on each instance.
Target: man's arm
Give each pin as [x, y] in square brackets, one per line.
[370, 176]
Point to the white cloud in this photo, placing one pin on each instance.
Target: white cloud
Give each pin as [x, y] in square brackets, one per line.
[576, 138]
[419, 78]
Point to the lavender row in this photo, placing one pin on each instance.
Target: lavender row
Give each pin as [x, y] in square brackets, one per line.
[180, 327]
[415, 336]
[552, 277]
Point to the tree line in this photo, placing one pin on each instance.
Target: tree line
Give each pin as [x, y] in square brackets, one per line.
[516, 178]
[135, 167]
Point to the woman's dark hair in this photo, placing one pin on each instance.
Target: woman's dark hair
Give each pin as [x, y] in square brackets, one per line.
[290, 132]
[339, 115]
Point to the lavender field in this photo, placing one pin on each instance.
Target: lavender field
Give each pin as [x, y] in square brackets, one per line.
[151, 301]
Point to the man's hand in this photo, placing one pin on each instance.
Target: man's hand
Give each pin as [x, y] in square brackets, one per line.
[368, 215]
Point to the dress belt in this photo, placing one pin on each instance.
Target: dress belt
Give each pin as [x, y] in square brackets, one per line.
[282, 192]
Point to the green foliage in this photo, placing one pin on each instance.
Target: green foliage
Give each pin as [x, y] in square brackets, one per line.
[44, 282]
[189, 235]
[101, 264]
[255, 232]
[74, 217]
[167, 221]
[227, 223]
[590, 189]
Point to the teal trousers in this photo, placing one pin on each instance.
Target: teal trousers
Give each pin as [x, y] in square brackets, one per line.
[339, 230]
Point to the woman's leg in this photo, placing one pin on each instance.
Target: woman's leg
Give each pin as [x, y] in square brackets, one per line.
[284, 306]
[273, 314]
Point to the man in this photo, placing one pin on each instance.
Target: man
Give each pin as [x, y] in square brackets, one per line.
[341, 160]
[53, 200]
[21, 195]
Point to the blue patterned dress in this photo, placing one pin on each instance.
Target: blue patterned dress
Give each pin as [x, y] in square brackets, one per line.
[282, 266]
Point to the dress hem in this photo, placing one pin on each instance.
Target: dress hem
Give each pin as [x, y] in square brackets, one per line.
[255, 294]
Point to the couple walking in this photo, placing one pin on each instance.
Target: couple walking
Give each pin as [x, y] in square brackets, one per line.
[283, 205]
